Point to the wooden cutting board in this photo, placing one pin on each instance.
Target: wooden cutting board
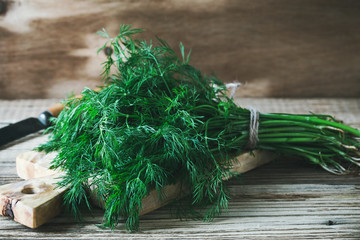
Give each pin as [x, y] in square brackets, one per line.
[35, 200]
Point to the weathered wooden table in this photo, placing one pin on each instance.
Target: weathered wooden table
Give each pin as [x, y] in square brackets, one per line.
[285, 199]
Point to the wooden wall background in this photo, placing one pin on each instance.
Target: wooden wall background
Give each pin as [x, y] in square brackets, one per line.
[279, 48]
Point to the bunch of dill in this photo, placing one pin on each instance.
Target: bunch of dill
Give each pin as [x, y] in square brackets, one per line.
[159, 120]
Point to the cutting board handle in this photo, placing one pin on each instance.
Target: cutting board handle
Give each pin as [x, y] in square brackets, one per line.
[31, 202]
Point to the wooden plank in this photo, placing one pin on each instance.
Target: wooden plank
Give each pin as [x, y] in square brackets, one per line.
[279, 48]
[251, 215]
[286, 199]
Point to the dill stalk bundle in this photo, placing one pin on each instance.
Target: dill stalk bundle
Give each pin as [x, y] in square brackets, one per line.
[159, 120]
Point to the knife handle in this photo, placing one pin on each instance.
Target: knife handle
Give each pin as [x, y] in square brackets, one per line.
[55, 110]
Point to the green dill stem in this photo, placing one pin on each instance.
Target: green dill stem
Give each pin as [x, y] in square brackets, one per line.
[313, 120]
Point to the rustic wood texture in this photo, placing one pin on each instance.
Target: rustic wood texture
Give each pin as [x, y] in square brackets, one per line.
[285, 199]
[31, 202]
[277, 48]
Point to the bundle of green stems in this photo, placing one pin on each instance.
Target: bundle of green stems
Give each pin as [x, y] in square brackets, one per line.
[159, 120]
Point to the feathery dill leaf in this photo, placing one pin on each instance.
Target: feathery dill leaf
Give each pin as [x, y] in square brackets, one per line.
[159, 120]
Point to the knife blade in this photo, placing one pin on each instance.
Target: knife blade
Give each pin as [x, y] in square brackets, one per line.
[30, 125]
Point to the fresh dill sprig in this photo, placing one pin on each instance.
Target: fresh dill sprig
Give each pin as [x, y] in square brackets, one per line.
[158, 120]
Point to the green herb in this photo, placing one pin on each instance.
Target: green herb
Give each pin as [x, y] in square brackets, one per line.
[158, 120]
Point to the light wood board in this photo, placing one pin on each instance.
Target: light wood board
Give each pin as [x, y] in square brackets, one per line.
[36, 200]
